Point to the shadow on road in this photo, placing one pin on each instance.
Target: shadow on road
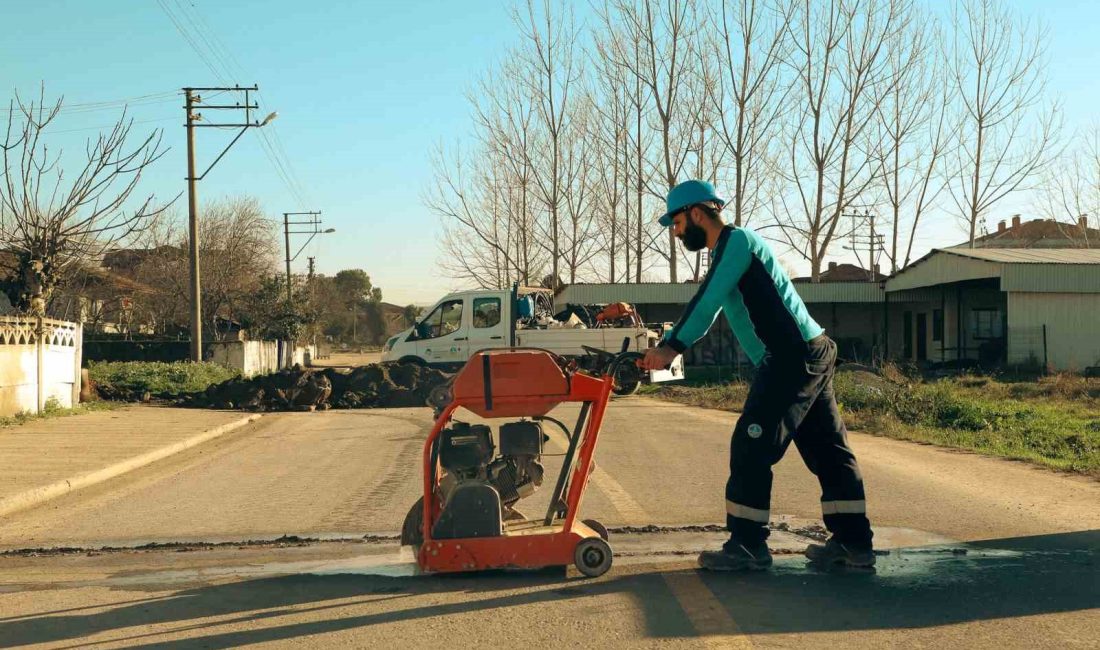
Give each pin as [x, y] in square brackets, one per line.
[913, 588]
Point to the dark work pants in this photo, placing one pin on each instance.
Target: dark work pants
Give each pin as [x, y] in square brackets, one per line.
[792, 398]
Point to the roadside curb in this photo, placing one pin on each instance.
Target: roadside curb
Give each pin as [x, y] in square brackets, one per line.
[35, 496]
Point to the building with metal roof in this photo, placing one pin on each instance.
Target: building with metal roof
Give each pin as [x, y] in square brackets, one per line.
[991, 306]
[997, 305]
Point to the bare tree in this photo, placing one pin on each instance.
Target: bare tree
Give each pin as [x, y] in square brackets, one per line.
[751, 95]
[609, 127]
[581, 243]
[470, 199]
[841, 78]
[1070, 195]
[48, 223]
[913, 133]
[237, 248]
[996, 65]
[504, 125]
[619, 50]
[662, 36]
[551, 75]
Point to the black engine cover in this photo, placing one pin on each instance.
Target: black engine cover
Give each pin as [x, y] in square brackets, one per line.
[465, 446]
[521, 439]
[473, 510]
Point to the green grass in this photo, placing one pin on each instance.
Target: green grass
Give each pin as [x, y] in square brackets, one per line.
[1053, 421]
[159, 379]
[51, 409]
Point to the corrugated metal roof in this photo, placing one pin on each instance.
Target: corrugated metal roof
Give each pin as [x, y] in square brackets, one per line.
[839, 291]
[1029, 255]
[655, 293]
[1053, 270]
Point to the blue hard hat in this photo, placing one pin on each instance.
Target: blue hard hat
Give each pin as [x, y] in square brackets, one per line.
[686, 194]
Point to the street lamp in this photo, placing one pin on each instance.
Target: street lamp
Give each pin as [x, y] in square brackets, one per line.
[194, 99]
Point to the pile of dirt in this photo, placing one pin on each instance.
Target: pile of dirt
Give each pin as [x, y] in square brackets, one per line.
[305, 389]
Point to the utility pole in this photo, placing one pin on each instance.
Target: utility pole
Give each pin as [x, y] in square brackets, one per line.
[874, 242]
[193, 233]
[193, 99]
[312, 227]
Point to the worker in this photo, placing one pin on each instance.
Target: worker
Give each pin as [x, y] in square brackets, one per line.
[791, 396]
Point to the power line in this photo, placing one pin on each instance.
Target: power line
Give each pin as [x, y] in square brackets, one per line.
[220, 55]
[190, 41]
[113, 104]
[109, 126]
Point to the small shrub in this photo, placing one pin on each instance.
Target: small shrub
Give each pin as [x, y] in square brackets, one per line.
[125, 379]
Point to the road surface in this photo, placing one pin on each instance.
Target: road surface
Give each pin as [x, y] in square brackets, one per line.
[981, 552]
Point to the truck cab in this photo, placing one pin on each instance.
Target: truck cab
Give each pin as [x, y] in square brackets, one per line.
[454, 328]
[464, 322]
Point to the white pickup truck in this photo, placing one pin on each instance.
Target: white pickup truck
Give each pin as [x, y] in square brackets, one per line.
[464, 322]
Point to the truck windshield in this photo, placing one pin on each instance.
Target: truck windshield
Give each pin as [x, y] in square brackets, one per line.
[443, 320]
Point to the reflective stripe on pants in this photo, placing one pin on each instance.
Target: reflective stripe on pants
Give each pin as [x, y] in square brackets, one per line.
[843, 507]
[745, 512]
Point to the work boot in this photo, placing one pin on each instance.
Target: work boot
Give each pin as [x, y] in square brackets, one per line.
[736, 556]
[835, 552]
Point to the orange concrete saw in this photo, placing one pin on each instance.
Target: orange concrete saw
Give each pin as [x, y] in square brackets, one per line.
[465, 520]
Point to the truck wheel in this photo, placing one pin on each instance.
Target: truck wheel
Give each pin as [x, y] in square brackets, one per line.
[416, 361]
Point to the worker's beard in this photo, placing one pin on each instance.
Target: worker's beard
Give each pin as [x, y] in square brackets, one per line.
[694, 237]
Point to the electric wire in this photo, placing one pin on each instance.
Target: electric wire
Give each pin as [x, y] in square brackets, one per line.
[222, 60]
[219, 64]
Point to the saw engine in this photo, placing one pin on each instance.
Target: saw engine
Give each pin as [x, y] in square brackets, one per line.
[480, 487]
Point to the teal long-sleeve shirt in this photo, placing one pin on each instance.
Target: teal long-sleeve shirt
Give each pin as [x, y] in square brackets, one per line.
[746, 282]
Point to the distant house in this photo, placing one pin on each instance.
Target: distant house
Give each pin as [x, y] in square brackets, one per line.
[1039, 233]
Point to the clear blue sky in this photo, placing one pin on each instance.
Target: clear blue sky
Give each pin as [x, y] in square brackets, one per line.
[364, 91]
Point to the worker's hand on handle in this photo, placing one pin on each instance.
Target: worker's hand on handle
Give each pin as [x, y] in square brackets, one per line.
[657, 358]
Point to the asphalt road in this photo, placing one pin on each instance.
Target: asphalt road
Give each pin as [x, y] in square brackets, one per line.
[982, 552]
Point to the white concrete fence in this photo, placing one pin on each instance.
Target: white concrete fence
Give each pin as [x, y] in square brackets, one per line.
[39, 361]
[259, 357]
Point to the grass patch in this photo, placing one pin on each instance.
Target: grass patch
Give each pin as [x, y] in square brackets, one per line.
[1054, 421]
[52, 409]
[127, 379]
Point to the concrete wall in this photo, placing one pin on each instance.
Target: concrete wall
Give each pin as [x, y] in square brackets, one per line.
[39, 361]
[1071, 329]
[258, 357]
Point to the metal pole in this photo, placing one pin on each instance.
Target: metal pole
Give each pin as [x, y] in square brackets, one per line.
[286, 234]
[1046, 359]
[193, 223]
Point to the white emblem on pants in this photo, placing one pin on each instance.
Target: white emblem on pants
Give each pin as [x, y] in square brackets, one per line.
[755, 430]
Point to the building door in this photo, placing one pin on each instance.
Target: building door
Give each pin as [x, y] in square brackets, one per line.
[907, 336]
[922, 337]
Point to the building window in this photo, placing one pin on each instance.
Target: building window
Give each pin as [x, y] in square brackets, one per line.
[937, 324]
[985, 324]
